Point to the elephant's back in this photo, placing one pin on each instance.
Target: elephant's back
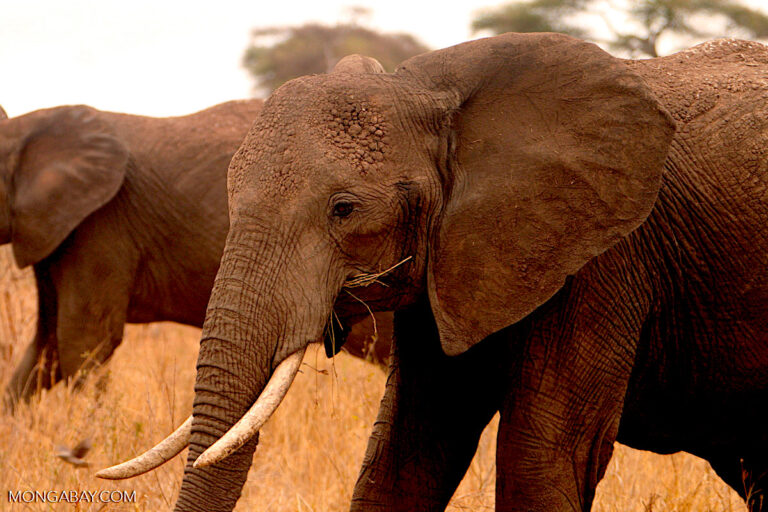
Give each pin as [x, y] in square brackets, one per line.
[184, 160]
[702, 80]
[717, 92]
[176, 185]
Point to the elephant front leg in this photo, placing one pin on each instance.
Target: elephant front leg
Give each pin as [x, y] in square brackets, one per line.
[87, 340]
[537, 472]
[558, 427]
[430, 419]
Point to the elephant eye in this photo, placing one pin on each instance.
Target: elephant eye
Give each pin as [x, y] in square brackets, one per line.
[343, 209]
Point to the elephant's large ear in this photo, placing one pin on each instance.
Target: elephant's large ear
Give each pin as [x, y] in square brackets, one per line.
[71, 163]
[558, 152]
[3, 115]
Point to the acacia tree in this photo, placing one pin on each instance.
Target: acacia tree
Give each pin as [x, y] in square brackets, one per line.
[278, 54]
[654, 19]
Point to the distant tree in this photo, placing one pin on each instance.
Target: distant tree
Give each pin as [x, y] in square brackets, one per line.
[654, 18]
[531, 16]
[278, 54]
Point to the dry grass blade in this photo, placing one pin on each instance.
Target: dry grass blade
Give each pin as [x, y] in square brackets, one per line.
[367, 279]
[370, 312]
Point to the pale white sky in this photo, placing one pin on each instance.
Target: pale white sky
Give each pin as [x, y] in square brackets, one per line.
[172, 57]
[169, 57]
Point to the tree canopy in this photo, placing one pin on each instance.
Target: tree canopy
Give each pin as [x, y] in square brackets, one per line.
[278, 54]
[653, 19]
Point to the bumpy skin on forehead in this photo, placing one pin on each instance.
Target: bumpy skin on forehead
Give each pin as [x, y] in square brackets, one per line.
[370, 124]
[303, 124]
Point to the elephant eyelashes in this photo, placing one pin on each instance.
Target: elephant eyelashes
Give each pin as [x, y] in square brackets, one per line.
[343, 209]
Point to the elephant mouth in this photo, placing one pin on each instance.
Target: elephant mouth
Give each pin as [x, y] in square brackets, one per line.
[353, 303]
[367, 291]
[336, 333]
[251, 422]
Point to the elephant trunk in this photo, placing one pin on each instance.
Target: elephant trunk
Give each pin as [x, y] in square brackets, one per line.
[251, 326]
[225, 386]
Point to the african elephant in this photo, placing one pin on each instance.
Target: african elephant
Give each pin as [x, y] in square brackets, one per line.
[124, 220]
[581, 248]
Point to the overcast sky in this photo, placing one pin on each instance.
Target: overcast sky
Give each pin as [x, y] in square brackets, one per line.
[168, 57]
[172, 57]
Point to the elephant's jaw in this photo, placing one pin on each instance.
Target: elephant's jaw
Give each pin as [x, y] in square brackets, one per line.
[251, 422]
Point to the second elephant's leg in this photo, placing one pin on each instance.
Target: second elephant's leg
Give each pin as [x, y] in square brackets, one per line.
[430, 420]
[38, 368]
[87, 341]
[91, 317]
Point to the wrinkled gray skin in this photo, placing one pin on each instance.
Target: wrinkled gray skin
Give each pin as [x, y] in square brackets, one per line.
[124, 219]
[588, 259]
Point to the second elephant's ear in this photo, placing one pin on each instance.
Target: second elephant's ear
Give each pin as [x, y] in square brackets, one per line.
[557, 153]
[69, 165]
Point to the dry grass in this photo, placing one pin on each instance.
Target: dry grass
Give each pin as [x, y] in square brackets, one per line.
[310, 452]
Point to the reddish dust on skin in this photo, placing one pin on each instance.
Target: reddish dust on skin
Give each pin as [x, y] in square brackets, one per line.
[688, 103]
[733, 71]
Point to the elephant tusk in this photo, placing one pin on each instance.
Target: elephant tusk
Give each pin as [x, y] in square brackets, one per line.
[257, 415]
[164, 451]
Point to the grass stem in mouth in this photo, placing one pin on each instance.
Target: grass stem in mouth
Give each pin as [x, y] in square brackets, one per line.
[367, 279]
[370, 312]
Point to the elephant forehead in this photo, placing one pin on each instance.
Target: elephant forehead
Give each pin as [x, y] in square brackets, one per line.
[302, 138]
[273, 164]
[355, 132]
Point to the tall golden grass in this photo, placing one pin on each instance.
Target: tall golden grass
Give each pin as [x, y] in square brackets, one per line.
[310, 451]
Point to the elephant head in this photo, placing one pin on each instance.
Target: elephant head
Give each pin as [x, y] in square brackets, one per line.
[56, 167]
[478, 176]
